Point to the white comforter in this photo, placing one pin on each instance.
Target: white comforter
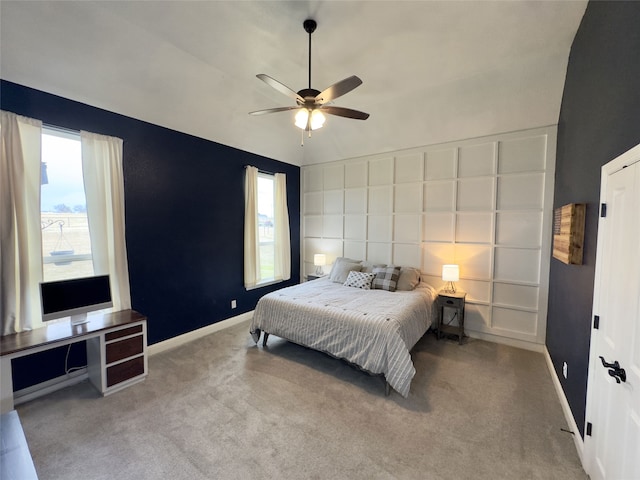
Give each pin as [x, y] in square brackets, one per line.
[374, 329]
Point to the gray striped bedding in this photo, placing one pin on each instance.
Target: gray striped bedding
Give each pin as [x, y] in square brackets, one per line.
[374, 329]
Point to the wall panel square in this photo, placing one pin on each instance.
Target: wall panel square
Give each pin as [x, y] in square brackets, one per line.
[332, 248]
[332, 226]
[477, 291]
[333, 202]
[439, 196]
[438, 227]
[379, 228]
[313, 225]
[522, 229]
[312, 179]
[477, 317]
[333, 177]
[379, 252]
[381, 171]
[440, 164]
[514, 320]
[355, 200]
[520, 191]
[434, 255]
[522, 154]
[476, 160]
[380, 200]
[517, 265]
[515, 295]
[355, 250]
[355, 174]
[406, 228]
[355, 227]
[313, 203]
[474, 261]
[475, 194]
[474, 227]
[409, 168]
[408, 198]
[406, 255]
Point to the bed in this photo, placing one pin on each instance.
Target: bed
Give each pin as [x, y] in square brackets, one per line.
[373, 329]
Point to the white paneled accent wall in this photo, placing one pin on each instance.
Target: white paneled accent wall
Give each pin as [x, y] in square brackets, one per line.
[485, 204]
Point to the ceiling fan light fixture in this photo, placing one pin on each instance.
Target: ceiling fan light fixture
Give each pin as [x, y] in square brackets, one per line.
[317, 119]
[302, 119]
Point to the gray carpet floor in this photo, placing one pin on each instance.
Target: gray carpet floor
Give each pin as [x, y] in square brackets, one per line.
[223, 408]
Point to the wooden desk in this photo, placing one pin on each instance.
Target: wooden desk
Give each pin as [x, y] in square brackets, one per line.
[116, 350]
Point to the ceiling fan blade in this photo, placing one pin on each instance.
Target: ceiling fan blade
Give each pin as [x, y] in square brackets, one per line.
[272, 82]
[338, 89]
[273, 110]
[346, 112]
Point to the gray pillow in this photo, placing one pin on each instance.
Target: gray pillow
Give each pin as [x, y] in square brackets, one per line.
[386, 278]
[369, 266]
[409, 279]
[341, 268]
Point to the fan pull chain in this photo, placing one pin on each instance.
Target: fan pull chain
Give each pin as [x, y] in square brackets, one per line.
[302, 138]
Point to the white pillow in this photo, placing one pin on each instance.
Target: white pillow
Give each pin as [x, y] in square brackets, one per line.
[409, 279]
[360, 280]
[341, 269]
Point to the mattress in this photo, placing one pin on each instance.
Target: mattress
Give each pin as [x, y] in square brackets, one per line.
[373, 329]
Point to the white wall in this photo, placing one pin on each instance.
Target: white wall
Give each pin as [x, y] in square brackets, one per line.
[484, 203]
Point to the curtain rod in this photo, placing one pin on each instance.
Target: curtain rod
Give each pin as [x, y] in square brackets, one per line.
[260, 170]
[56, 128]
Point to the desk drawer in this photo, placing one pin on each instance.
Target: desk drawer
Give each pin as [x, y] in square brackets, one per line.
[123, 332]
[125, 370]
[123, 349]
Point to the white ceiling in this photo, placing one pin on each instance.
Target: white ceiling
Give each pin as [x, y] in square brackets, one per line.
[433, 71]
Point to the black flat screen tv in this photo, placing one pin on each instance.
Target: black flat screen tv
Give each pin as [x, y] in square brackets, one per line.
[75, 298]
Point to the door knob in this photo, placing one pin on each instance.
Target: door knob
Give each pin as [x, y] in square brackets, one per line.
[614, 370]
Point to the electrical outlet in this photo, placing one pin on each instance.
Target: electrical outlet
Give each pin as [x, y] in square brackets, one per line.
[234, 305]
[565, 369]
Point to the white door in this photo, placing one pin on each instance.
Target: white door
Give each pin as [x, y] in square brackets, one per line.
[612, 451]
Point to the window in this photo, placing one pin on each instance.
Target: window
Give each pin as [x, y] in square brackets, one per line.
[66, 244]
[266, 227]
[267, 246]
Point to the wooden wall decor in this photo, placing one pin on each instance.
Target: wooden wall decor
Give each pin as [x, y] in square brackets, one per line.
[568, 233]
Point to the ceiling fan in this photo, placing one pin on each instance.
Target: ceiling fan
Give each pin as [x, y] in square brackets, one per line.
[311, 103]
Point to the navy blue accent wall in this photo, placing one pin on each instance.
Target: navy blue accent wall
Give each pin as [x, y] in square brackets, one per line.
[184, 200]
[599, 120]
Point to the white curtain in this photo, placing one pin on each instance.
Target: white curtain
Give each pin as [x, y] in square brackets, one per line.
[251, 237]
[102, 170]
[20, 236]
[282, 263]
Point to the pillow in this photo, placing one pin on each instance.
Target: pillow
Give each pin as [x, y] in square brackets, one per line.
[369, 266]
[341, 269]
[386, 278]
[409, 279]
[359, 280]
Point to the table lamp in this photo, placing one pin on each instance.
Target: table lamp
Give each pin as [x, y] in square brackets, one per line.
[319, 260]
[450, 273]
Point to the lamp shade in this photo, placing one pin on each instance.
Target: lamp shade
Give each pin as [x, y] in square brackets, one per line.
[319, 259]
[450, 273]
[302, 119]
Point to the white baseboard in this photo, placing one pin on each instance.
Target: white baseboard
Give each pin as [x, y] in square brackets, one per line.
[512, 342]
[175, 342]
[44, 388]
[577, 439]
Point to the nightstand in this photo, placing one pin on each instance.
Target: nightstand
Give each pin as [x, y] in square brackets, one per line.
[454, 301]
[314, 277]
